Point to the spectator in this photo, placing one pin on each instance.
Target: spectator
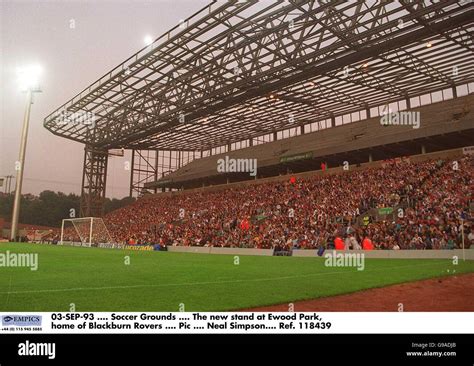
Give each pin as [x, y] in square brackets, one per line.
[311, 212]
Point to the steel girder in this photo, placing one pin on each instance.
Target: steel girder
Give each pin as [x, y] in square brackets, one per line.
[238, 69]
[94, 179]
[144, 169]
[150, 165]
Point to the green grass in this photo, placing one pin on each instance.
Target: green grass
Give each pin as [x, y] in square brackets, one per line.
[98, 280]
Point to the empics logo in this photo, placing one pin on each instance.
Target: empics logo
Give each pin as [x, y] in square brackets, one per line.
[230, 165]
[37, 349]
[7, 319]
[21, 320]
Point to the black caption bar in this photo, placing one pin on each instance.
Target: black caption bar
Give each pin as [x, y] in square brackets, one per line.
[412, 349]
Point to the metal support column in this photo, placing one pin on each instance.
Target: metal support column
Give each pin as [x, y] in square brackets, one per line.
[94, 180]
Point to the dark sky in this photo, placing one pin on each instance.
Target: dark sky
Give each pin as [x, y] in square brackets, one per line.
[75, 42]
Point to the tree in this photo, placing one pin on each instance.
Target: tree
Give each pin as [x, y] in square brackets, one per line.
[50, 208]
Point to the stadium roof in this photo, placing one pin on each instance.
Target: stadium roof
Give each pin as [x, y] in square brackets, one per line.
[241, 69]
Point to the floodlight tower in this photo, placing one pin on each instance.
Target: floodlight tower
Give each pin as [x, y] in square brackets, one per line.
[29, 83]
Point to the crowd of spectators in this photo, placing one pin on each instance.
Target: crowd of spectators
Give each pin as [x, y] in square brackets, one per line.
[318, 211]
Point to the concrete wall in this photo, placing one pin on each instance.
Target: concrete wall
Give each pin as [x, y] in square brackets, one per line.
[436, 119]
[381, 254]
[228, 251]
[400, 254]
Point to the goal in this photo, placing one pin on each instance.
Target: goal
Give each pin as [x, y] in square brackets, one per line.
[85, 231]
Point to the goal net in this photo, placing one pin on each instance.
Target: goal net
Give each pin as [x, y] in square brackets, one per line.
[85, 231]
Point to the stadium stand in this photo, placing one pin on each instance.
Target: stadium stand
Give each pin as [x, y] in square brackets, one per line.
[444, 125]
[426, 196]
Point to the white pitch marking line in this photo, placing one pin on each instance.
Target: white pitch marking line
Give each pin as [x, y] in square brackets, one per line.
[203, 283]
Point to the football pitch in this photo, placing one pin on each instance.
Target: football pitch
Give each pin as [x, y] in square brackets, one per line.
[93, 279]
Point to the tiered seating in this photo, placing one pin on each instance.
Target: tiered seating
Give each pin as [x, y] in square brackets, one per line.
[311, 211]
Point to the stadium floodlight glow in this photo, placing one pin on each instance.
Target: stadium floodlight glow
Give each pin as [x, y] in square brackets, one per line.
[148, 40]
[28, 77]
[29, 82]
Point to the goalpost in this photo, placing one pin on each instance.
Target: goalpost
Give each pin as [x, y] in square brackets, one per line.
[85, 231]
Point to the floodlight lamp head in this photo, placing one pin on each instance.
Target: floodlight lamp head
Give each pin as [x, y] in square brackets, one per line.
[28, 78]
[148, 40]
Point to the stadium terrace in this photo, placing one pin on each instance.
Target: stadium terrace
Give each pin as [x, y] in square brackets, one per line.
[400, 200]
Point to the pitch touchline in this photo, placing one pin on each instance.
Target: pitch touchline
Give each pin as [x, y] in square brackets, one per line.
[202, 283]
